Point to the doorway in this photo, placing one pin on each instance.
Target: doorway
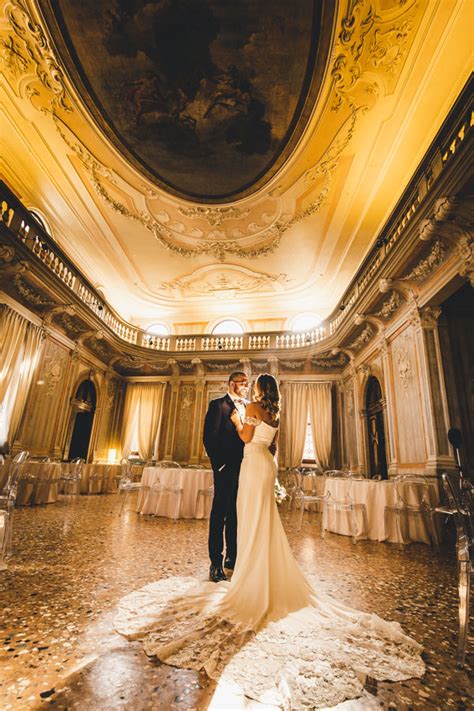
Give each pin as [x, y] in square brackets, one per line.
[83, 405]
[375, 429]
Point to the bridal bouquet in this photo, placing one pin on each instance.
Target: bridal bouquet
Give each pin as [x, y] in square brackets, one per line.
[280, 492]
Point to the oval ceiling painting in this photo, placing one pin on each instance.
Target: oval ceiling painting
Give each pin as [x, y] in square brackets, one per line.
[207, 96]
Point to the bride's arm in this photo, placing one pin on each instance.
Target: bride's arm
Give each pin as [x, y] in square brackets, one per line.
[245, 430]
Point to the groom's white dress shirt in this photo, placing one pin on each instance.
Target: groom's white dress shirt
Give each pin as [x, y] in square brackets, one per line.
[239, 403]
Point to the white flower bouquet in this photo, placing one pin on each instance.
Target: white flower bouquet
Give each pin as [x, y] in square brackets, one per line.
[280, 492]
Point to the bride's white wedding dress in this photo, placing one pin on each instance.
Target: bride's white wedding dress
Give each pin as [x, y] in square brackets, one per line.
[267, 631]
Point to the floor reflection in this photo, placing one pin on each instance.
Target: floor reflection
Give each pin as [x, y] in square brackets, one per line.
[74, 561]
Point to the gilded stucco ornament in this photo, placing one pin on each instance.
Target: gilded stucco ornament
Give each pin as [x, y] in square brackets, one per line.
[369, 40]
[389, 307]
[362, 339]
[426, 266]
[224, 280]
[30, 47]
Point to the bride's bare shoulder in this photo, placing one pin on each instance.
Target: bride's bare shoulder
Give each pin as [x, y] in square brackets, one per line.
[254, 409]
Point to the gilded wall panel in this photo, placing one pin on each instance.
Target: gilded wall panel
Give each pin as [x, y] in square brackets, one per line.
[408, 407]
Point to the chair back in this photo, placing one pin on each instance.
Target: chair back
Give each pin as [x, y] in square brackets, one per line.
[404, 481]
[461, 516]
[125, 471]
[335, 473]
[77, 465]
[10, 488]
[167, 464]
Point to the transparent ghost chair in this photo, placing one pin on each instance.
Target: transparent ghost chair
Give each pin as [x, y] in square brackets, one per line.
[7, 506]
[346, 507]
[305, 490]
[126, 483]
[71, 478]
[415, 503]
[203, 501]
[459, 507]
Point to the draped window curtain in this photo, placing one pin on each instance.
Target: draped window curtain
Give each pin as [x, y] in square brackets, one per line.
[301, 398]
[320, 411]
[296, 412]
[143, 407]
[20, 347]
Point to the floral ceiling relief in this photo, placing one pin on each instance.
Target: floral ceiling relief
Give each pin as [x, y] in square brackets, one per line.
[225, 281]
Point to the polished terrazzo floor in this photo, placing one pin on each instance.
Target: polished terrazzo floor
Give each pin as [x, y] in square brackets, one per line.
[73, 562]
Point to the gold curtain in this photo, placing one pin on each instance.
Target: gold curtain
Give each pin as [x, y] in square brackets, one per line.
[20, 343]
[143, 407]
[12, 337]
[320, 410]
[296, 412]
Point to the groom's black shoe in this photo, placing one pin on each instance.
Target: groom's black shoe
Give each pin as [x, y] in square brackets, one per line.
[229, 564]
[216, 574]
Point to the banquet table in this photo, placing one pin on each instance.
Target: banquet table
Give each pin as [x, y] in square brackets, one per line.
[375, 495]
[103, 478]
[190, 480]
[38, 482]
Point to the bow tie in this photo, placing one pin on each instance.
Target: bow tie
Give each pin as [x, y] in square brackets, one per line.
[239, 400]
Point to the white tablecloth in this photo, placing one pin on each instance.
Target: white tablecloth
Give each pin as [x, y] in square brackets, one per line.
[190, 480]
[104, 478]
[375, 495]
[41, 488]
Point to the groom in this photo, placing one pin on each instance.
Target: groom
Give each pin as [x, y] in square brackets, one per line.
[225, 450]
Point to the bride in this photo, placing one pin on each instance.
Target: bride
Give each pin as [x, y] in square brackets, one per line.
[267, 631]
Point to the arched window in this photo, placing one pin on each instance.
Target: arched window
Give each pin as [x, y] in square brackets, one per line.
[158, 329]
[228, 325]
[305, 322]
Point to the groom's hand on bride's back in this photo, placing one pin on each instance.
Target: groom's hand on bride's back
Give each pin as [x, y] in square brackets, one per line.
[272, 449]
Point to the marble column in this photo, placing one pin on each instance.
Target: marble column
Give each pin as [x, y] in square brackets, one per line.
[173, 410]
[199, 386]
[432, 388]
[390, 421]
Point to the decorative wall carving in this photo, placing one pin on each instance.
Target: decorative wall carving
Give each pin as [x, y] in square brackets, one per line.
[390, 306]
[53, 367]
[362, 339]
[404, 368]
[426, 266]
[33, 296]
[338, 361]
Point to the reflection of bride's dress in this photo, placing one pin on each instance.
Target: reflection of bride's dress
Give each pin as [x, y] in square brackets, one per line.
[267, 630]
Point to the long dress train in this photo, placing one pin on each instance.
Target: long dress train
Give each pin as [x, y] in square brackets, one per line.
[267, 630]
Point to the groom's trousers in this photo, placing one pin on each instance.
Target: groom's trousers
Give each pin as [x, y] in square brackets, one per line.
[223, 518]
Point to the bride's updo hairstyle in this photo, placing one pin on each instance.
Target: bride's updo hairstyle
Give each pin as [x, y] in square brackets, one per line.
[267, 394]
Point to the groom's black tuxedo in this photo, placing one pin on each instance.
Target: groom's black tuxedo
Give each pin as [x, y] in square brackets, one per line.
[225, 450]
[221, 440]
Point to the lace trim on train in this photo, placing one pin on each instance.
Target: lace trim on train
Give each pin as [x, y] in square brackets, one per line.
[315, 657]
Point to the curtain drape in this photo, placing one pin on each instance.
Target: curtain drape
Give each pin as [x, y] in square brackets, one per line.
[320, 411]
[149, 418]
[143, 406]
[26, 371]
[296, 412]
[20, 346]
[12, 337]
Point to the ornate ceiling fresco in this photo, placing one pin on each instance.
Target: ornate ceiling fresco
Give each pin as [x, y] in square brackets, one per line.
[187, 89]
[127, 122]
